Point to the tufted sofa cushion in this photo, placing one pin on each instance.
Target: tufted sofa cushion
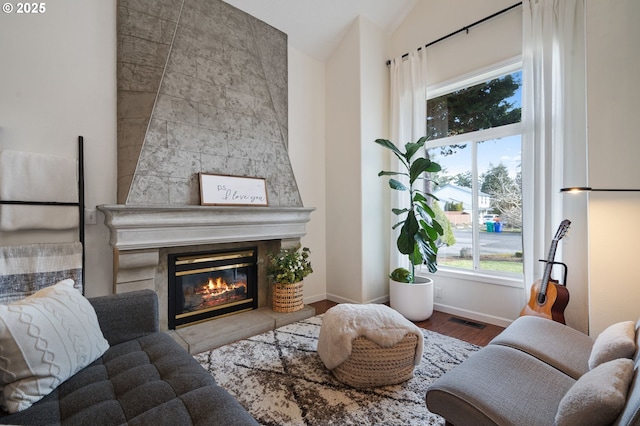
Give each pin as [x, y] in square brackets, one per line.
[144, 381]
[147, 380]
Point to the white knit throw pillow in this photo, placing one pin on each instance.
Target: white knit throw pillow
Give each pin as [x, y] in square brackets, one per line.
[45, 339]
[616, 341]
[598, 397]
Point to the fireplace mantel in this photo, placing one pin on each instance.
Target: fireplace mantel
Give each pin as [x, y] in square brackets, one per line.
[136, 227]
[140, 233]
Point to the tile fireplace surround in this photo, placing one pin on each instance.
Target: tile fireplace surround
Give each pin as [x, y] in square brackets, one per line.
[142, 237]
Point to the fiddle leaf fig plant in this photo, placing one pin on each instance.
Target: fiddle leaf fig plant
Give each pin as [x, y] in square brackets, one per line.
[419, 230]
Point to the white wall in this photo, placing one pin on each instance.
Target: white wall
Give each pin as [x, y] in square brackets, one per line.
[357, 233]
[491, 300]
[374, 124]
[58, 81]
[613, 67]
[343, 170]
[307, 153]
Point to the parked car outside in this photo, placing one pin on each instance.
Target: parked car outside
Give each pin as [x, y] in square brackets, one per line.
[490, 218]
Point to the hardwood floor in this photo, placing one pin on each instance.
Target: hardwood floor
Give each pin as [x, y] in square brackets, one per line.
[461, 328]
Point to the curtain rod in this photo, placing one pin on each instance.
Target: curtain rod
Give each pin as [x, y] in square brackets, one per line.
[466, 29]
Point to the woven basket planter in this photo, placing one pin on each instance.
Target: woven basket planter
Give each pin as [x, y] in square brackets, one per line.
[373, 365]
[287, 297]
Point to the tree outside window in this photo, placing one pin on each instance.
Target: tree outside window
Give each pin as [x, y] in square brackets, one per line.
[474, 134]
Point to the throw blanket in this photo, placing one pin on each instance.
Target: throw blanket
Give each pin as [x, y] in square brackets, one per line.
[378, 323]
[28, 176]
[29, 268]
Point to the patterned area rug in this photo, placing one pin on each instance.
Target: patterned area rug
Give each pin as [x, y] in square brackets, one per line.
[279, 378]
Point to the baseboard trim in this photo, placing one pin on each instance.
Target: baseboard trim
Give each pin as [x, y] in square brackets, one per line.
[472, 315]
[316, 298]
[340, 299]
[382, 299]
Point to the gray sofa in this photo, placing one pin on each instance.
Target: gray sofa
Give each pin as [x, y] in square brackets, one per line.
[526, 375]
[144, 378]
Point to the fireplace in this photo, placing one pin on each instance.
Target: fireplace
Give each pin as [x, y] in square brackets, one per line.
[211, 284]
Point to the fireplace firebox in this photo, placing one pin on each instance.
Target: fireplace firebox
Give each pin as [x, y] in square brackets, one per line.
[206, 285]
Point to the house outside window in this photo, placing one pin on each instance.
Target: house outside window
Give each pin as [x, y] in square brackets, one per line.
[474, 133]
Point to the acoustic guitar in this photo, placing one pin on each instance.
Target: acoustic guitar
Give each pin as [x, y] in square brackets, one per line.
[548, 298]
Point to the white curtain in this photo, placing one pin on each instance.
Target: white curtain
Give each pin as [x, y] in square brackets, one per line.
[408, 123]
[554, 142]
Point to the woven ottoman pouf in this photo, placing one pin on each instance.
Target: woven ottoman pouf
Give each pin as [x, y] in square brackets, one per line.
[369, 345]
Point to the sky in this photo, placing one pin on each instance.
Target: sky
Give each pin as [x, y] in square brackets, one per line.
[493, 152]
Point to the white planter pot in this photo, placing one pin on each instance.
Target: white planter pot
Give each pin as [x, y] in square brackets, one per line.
[413, 301]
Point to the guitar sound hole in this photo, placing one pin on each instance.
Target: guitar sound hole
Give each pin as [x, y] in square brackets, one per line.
[542, 298]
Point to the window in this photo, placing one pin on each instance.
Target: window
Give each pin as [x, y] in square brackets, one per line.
[474, 133]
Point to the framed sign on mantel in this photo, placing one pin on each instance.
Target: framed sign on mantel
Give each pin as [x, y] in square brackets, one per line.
[224, 190]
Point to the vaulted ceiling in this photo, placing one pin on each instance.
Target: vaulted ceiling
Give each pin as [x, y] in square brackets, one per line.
[315, 27]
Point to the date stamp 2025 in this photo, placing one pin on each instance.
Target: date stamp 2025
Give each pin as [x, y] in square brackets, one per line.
[24, 8]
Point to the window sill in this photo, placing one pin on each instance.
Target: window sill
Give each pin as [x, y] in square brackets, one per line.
[480, 277]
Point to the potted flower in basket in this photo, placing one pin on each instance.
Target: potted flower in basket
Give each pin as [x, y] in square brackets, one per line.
[287, 269]
[410, 295]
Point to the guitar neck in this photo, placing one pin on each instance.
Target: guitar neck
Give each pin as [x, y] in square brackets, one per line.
[547, 270]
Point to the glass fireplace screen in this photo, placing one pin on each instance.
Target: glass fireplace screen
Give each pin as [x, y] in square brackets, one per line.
[206, 285]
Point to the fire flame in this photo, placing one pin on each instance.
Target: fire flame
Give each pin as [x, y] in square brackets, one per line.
[214, 291]
[218, 285]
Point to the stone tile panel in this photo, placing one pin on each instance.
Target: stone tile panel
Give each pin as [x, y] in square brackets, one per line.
[141, 25]
[122, 192]
[264, 109]
[242, 62]
[258, 87]
[214, 72]
[188, 39]
[197, 139]
[216, 164]
[241, 102]
[128, 160]
[182, 62]
[156, 135]
[208, 8]
[188, 17]
[272, 49]
[221, 105]
[191, 89]
[168, 162]
[266, 129]
[135, 104]
[138, 51]
[184, 191]
[231, 166]
[165, 9]
[141, 78]
[240, 166]
[175, 109]
[131, 132]
[285, 135]
[288, 195]
[246, 148]
[149, 189]
[280, 103]
[223, 120]
[233, 17]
